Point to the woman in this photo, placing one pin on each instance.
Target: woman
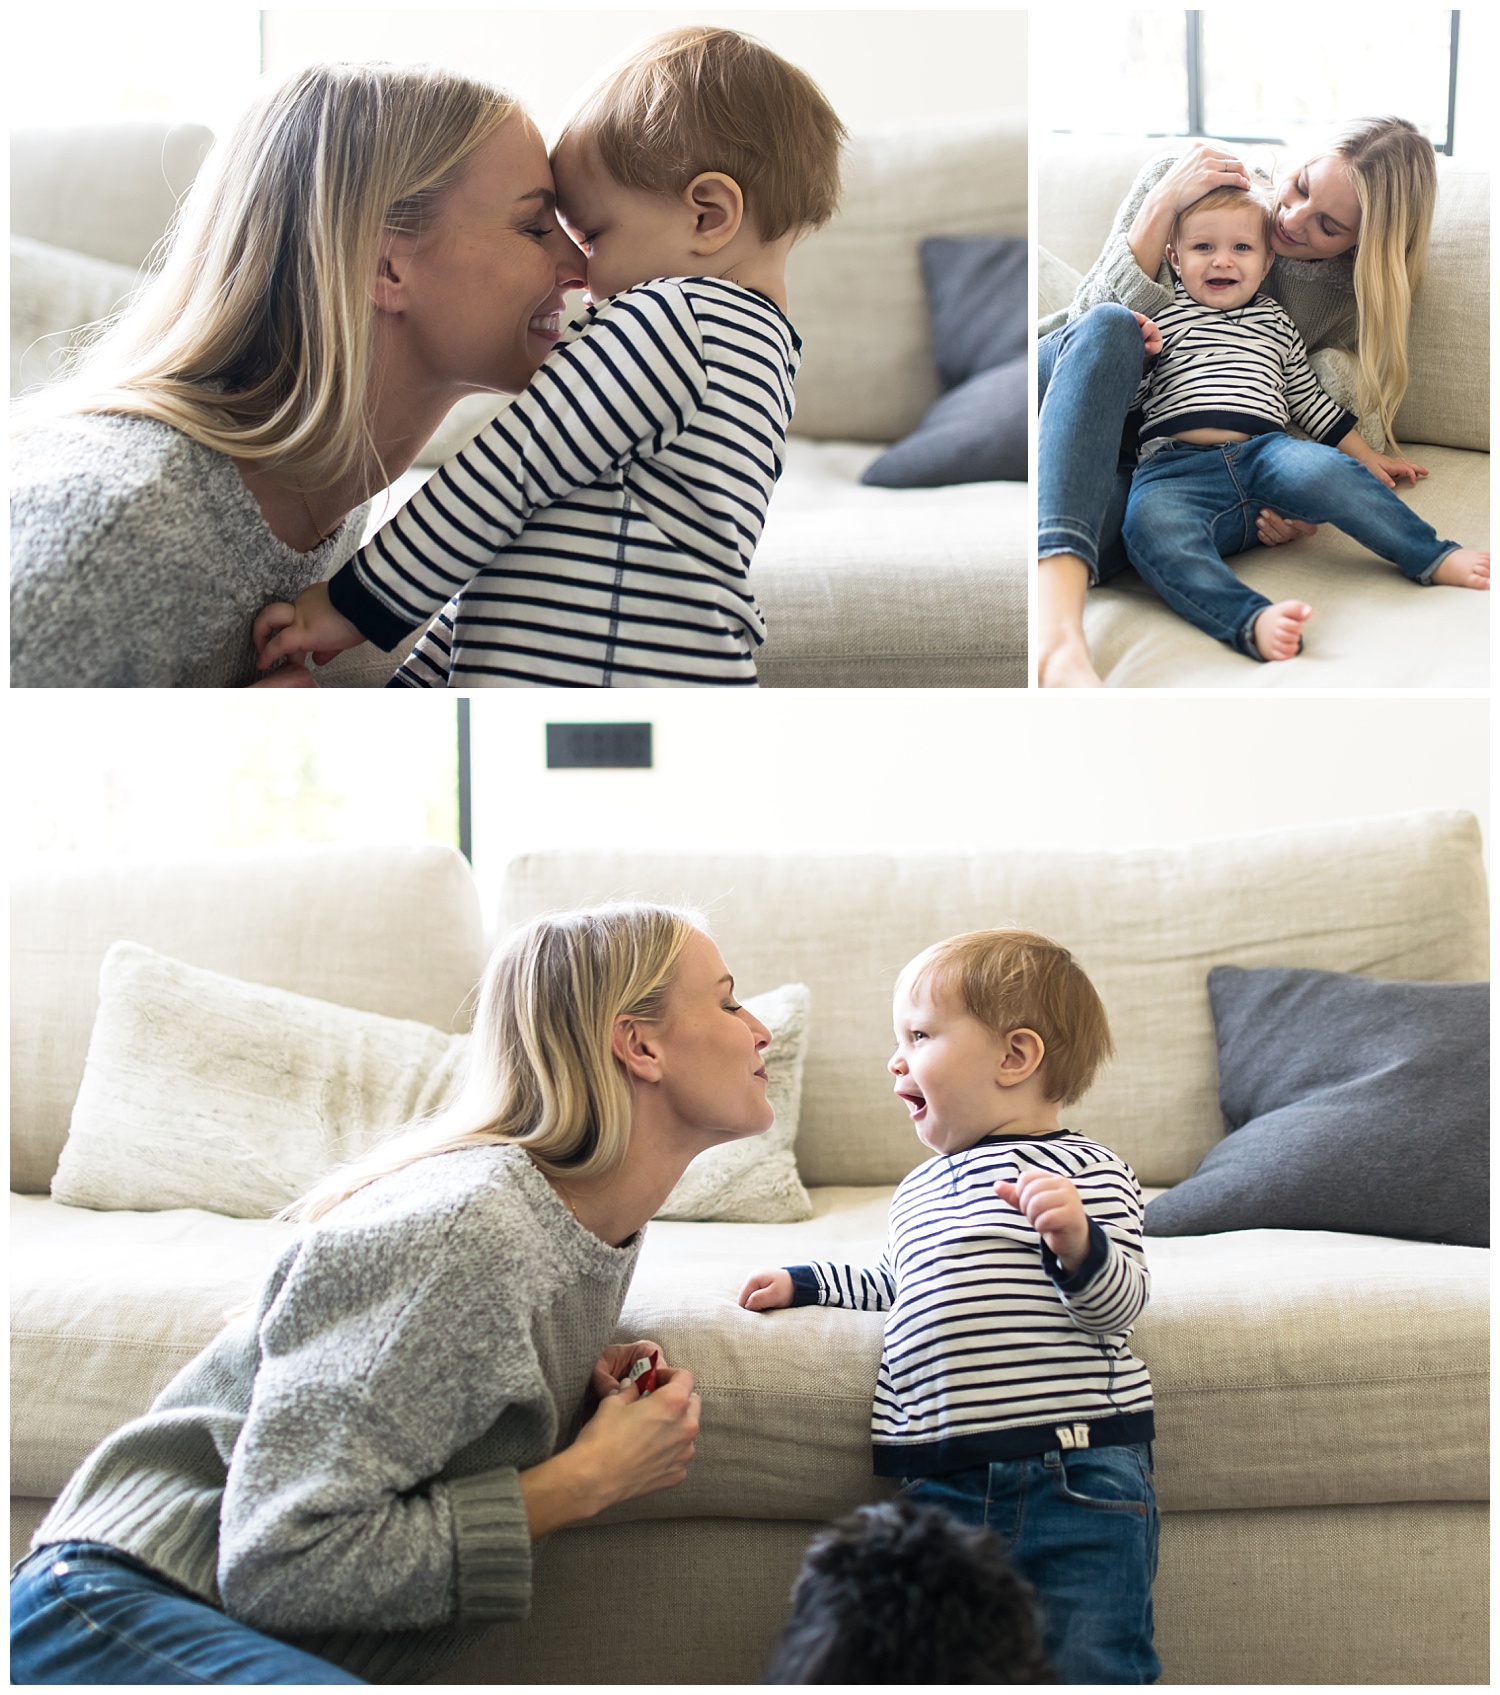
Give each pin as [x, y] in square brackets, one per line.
[361, 1465]
[373, 242]
[1350, 240]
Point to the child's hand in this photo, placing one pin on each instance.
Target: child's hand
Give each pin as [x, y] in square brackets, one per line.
[1054, 1210]
[1391, 471]
[767, 1289]
[309, 626]
[1149, 334]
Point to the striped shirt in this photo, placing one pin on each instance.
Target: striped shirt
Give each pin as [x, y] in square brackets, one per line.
[992, 1351]
[627, 486]
[1245, 369]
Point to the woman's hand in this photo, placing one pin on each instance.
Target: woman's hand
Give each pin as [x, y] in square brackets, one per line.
[633, 1445]
[767, 1289]
[1272, 530]
[610, 1368]
[310, 625]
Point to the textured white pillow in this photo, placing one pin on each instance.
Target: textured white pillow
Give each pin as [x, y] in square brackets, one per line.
[756, 1181]
[204, 1091]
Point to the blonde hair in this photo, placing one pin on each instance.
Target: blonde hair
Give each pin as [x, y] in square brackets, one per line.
[540, 1073]
[698, 99]
[256, 335]
[1020, 980]
[1394, 173]
[1230, 197]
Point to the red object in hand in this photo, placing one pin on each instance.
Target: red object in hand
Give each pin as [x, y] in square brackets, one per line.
[642, 1373]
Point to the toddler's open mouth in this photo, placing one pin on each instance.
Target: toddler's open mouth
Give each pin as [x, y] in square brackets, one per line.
[916, 1104]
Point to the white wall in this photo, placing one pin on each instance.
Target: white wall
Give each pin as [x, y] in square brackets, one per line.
[895, 768]
[876, 67]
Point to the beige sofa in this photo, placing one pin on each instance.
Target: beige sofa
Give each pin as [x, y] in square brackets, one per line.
[861, 587]
[1370, 627]
[1322, 1400]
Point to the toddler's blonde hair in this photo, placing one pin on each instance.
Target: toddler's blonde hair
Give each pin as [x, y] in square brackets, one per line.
[1021, 980]
[699, 99]
[1227, 197]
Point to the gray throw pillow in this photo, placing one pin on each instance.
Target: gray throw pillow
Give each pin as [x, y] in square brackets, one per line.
[977, 308]
[1350, 1103]
[975, 434]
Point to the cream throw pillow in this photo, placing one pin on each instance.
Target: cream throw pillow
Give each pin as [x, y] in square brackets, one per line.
[756, 1181]
[204, 1091]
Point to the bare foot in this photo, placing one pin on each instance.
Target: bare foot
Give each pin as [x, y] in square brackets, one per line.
[1067, 666]
[1278, 630]
[1465, 569]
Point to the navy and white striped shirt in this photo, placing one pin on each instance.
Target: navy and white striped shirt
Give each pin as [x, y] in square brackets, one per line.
[992, 1351]
[1245, 370]
[627, 486]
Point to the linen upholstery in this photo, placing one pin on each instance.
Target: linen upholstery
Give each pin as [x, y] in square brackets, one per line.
[1394, 897]
[319, 921]
[52, 293]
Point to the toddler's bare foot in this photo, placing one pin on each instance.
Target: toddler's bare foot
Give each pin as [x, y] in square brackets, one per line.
[1067, 666]
[1278, 630]
[1466, 569]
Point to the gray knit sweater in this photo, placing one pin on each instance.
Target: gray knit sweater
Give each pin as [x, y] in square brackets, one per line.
[139, 559]
[339, 1468]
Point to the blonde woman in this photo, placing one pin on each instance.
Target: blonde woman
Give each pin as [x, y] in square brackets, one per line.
[346, 1484]
[1350, 240]
[372, 243]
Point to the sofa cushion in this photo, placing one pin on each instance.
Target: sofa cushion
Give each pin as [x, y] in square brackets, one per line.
[977, 303]
[321, 921]
[855, 287]
[1290, 1368]
[975, 433]
[53, 294]
[201, 1090]
[1397, 897]
[1352, 1104]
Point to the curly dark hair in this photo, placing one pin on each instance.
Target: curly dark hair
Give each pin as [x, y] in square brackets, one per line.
[901, 1593]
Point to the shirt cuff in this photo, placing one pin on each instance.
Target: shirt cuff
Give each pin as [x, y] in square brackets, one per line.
[492, 1546]
[373, 618]
[807, 1291]
[1093, 1261]
[1338, 429]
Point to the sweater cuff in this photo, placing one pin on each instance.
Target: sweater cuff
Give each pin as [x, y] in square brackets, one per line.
[373, 618]
[1338, 429]
[1132, 287]
[1093, 1261]
[806, 1290]
[492, 1546]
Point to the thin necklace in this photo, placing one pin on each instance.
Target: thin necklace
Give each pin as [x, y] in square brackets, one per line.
[317, 527]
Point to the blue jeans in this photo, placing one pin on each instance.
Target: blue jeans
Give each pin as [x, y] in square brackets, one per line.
[84, 1613]
[1190, 505]
[1081, 1527]
[1087, 374]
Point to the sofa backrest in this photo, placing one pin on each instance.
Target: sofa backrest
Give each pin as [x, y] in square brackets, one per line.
[1399, 897]
[387, 929]
[1081, 181]
[855, 287]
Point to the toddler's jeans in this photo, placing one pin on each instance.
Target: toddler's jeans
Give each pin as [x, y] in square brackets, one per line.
[1192, 504]
[1081, 1527]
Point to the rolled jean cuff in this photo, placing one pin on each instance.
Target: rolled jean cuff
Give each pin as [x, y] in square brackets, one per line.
[1244, 637]
[1425, 580]
[1055, 538]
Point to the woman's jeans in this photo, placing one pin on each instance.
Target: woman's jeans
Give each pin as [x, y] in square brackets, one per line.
[84, 1613]
[1081, 1527]
[1087, 376]
[1191, 504]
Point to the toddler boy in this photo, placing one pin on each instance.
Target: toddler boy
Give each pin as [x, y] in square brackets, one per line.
[1013, 1274]
[1228, 374]
[628, 483]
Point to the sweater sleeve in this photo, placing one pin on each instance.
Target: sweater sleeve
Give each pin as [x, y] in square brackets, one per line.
[1115, 276]
[334, 1510]
[1108, 1292]
[827, 1284]
[625, 388]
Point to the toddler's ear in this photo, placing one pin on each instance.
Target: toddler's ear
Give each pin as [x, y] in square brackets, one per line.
[718, 207]
[1170, 254]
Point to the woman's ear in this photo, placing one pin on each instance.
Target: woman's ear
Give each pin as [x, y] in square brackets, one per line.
[1022, 1054]
[392, 271]
[634, 1045]
[718, 208]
